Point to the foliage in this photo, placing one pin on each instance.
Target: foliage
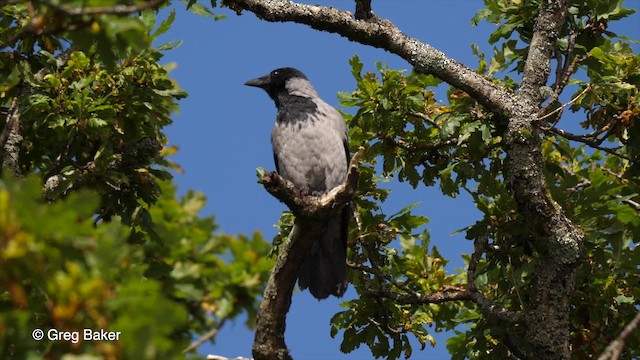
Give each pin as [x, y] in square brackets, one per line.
[95, 237]
[66, 274]
[458, 146]
[422, 142]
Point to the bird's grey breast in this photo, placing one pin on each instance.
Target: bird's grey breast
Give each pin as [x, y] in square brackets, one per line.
[309, 145]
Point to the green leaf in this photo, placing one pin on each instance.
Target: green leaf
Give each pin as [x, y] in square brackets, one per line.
[261, 173]
[622, 299]
[356, 67]
[201, 10]
[96, 122]
[165, 25]
[148, 18]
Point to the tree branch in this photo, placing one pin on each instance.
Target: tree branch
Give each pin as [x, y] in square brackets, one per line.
[542, 117]
[560, 241]
[546, 30]
[489, 307]
[615, 348]
[314, 206]
[11, 139]
[209, 335]
[633, 204]
[383, 34]
[586, 140]
[467, 292]
[218, 357]
[36, 24]
[271, 322]
[118, 9]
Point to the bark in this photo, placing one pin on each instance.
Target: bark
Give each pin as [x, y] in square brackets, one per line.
[383, 34]
[271, 322]
[11, 140]
[616, 347]
[557, 239]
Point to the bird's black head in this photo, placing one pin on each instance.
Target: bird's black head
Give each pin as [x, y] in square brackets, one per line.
[275, 82]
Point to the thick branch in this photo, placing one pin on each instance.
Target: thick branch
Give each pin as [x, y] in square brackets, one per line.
[559, 240]
[546, 218]
[11, 139]
[384, 35]
[551, 17]
[271, 322]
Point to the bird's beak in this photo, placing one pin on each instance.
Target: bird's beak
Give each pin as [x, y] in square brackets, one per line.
[260, 82]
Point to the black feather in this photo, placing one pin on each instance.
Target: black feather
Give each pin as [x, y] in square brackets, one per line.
[295, 110]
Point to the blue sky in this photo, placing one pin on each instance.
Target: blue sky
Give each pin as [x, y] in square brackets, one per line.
[223, 131]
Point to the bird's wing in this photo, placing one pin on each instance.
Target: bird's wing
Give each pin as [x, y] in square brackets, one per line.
[275, 160]
[345, 143]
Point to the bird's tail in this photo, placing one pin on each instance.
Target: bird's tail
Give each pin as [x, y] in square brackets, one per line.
[324, 271]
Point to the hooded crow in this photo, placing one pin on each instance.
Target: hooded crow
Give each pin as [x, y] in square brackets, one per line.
[310, 149]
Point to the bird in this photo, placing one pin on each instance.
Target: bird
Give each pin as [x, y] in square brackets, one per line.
[311, 150]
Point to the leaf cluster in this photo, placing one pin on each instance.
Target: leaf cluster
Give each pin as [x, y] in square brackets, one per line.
[420, 141]
[92, 231]
[66, 274]
[458, 146]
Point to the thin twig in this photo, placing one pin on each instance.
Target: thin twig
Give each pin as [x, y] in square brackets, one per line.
[565, 105]
[615, 348]
[584, 183]
[210, 334]
[633, 204]
[426, 118]
[466, 292]
[479, 246]
[584, 140]
[565, 72]
[386, 276]
[515, 284]
[559, 67]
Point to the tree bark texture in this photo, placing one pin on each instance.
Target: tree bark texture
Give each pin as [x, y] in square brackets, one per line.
[309, 211]
[546, 314]
[11, 140]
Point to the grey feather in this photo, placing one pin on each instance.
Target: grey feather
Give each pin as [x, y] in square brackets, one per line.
[310, 150]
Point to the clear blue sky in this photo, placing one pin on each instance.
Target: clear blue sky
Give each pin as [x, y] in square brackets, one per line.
[223, 131]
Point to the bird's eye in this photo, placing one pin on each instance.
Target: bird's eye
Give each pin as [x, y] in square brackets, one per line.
[275, 72]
